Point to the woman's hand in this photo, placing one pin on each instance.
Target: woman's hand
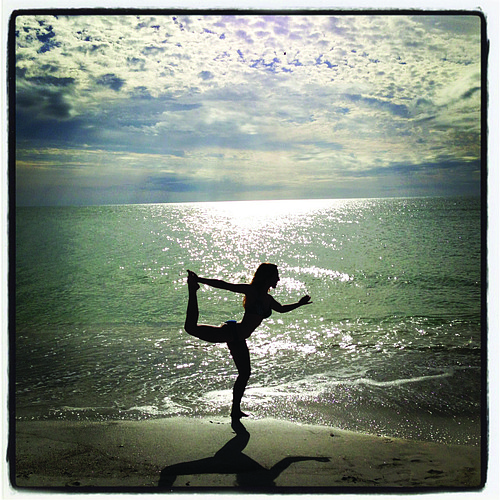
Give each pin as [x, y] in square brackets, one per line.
[305, 300]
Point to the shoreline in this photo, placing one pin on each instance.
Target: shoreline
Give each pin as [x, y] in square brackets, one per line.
[183, 454]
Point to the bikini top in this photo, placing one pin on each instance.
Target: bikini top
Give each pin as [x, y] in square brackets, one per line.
[259, 309]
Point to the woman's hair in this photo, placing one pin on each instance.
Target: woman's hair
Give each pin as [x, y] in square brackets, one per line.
[262, 277]
[264, 274]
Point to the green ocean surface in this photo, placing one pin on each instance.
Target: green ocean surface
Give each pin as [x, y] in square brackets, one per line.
[391, 344]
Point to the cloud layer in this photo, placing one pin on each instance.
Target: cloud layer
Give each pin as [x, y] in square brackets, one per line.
[126, 108]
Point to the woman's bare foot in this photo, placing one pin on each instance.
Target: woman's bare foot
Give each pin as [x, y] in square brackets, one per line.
[237, 414]
[192, 280]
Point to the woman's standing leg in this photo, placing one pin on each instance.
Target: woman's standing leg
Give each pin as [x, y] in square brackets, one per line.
[241, 356]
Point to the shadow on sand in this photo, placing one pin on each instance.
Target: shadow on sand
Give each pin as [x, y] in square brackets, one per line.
[230, 460]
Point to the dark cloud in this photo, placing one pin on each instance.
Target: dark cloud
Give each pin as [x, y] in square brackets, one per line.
[141, 92]
[178, 106]
[51, 80]
[393, 108]
[57, 106]
[48, 131]
[152, 51]
[112, 81]
[136, 63]
[42, 102]
[170, 182]
[470, 92]
[45, 113]
[210, 188]
[418, 168]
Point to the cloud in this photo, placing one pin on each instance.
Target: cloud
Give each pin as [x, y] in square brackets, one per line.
[382, 105]
[206, 75]
[51, 81]
[222, 97]
[469, 93]
[110, 80]
[41, 104]
[448, 165]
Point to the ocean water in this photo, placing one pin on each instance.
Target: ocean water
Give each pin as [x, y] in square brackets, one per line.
[390, 345]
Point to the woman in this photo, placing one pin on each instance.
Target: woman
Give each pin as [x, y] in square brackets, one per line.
[258, 305]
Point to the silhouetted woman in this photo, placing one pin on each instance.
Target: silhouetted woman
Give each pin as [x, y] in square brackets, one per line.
[258, 305]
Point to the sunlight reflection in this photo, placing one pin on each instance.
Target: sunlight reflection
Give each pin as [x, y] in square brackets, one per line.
[318, 272]
[291, 284]
[242, 234]
[274, 347]
[250, 216]
[251, 213]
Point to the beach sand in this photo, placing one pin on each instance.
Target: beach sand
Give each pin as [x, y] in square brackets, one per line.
[196, 453]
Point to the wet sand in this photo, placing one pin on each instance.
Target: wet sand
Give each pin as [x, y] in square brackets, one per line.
[183, 454]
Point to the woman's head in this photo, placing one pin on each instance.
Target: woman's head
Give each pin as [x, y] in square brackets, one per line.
[266, 276]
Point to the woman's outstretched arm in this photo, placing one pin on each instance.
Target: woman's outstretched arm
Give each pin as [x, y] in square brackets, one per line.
[276, 306]
[224, 285]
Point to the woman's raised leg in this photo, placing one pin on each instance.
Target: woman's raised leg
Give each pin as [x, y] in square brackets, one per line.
[192, 313]
[215, 334]
[241, 357]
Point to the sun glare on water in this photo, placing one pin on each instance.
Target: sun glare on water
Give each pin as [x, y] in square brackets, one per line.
[254, 214]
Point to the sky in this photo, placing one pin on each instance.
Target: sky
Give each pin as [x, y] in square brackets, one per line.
[179, 107]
